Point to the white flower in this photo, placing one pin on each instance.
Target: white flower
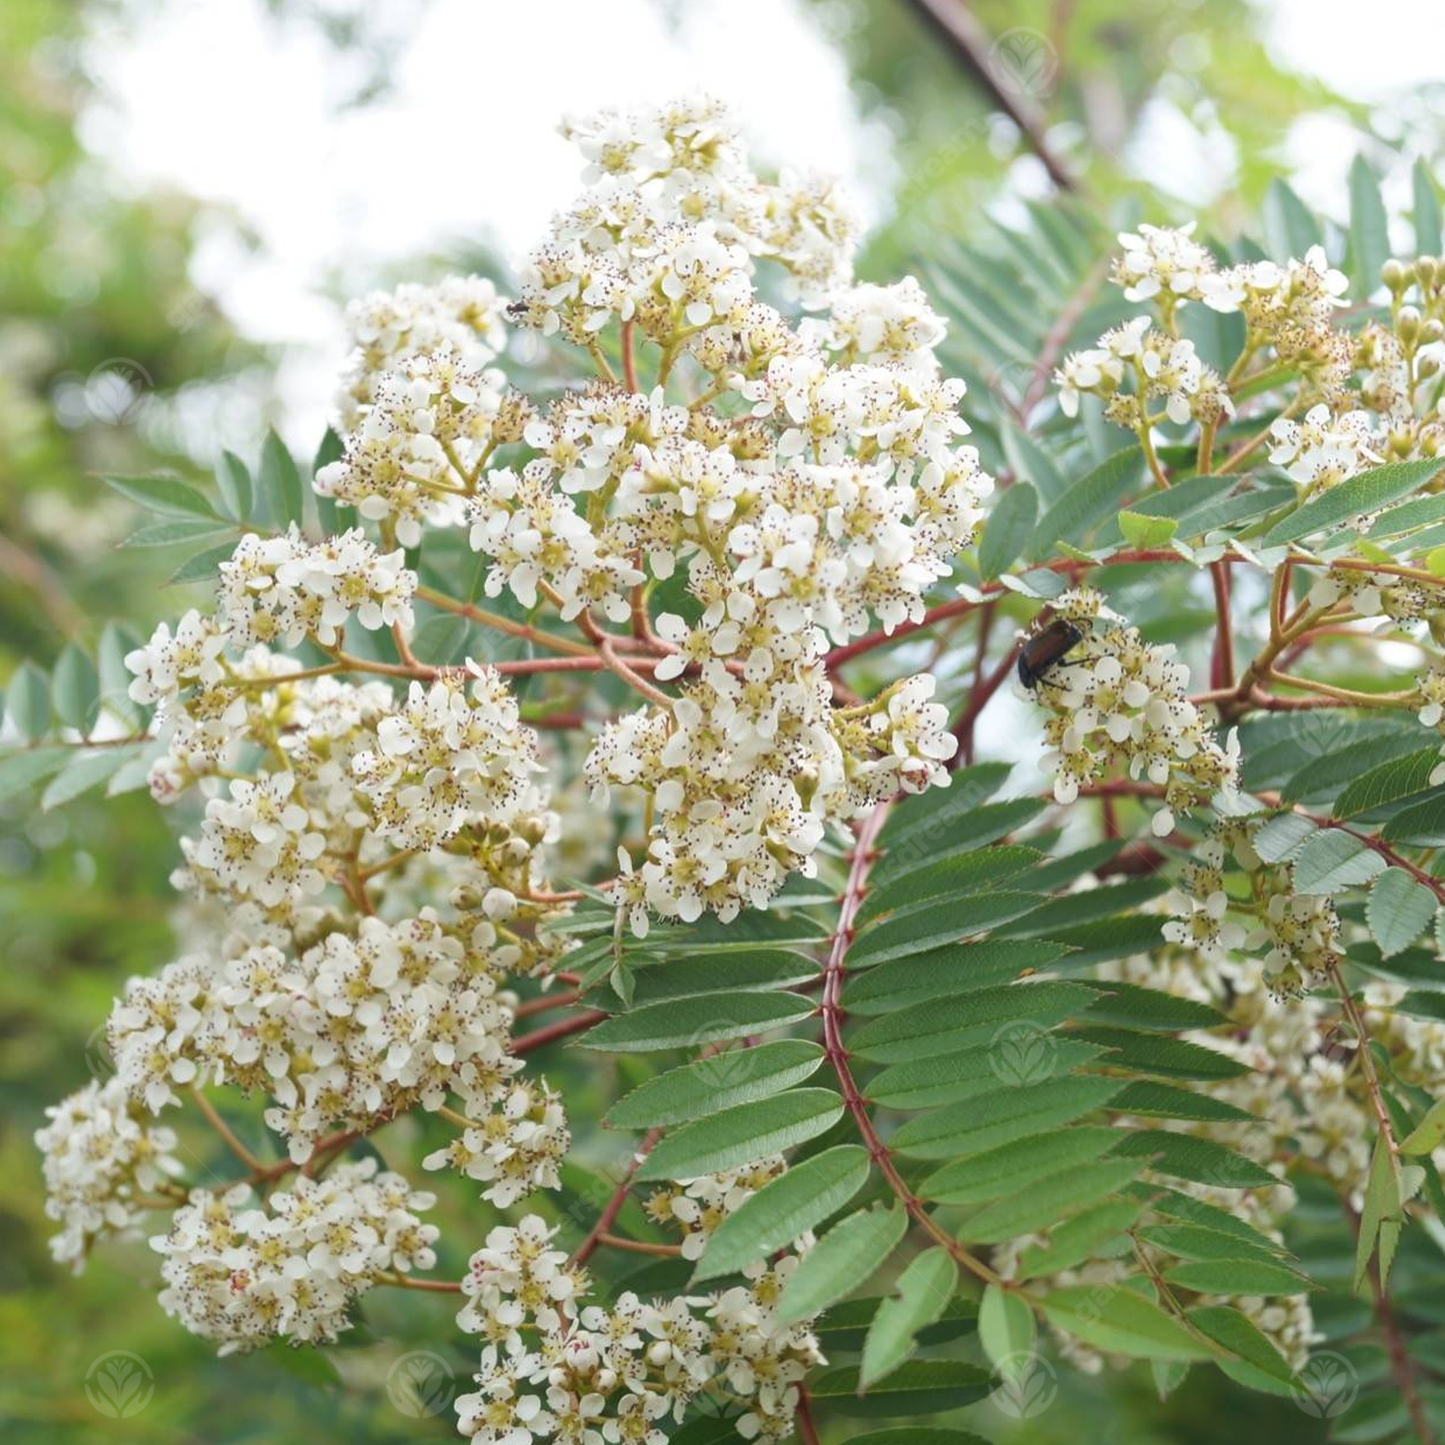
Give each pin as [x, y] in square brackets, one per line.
[102, 1161]
[241, 1275]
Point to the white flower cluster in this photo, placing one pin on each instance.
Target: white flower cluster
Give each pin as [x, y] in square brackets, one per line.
[363, 776]
[745, 772]
[103, 1160]
[1324, 448]
[242, 1274]
[554, 1367]
[274, 590]
[1164, 263]
[841, 494]
[1120, 705]
[353, 1030]
[1159, 367]
[1288, 309]
[1296, 935]
[388, 328]
[283, 589]
[420, 444]
[878, 325]
[443, 761]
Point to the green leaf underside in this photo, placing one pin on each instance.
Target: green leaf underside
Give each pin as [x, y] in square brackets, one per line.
[971, 826]
[1368, 491]
[983, 1124]
[942, 1025]
[920, 1387]
[1131, 1006]
[742, 1134]
[945, 971]
[1167, 1058]
[1398, 910]
[1332, 861]
[1006, 533]
[1092, 498]
[1006, 1330]
[1388, 782]
[923, 1292]
[691, 1022]
[1236, 1277]
[951, 1078]
[1122, 1322]
[1152, 1100]
[1186, 1209]
[841, 1261]
[785, 1208]
[705, 1086]
[845, 1326]
[922, 929]
[1197, 1242]
[1084, 1235]
[1236, 1334]
[759, 971]
[1047, 1201]
[951, 876]
[1201, 1161]
[1017, 1164]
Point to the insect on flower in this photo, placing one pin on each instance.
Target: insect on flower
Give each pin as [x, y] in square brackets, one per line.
[1044, 650]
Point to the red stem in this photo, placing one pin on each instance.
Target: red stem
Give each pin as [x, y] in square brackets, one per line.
[613, 1207]
[1221, 673]
[563, 1028]
[837, 1052]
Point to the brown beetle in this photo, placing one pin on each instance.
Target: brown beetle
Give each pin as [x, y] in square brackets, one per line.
[1046, 649]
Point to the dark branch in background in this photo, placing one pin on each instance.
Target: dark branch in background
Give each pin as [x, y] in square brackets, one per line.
[970, 46]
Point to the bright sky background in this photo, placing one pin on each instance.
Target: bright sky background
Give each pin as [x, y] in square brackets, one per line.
[224, 102]
[231, 107]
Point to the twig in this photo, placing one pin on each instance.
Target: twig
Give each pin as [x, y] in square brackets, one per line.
[618, 1198]
[970, 46]
[562, 1029]
[639, 1246]
[837, 1052]
[803, 1417]
[405, 1281]
[228, 1135]
[544, 1002]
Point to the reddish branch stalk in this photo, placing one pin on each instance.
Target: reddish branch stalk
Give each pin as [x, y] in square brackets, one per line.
[1222, 668]
[832, 1013]
[613, 1207]
[1400, 1364]
[970, 46]
[803, 1418]
[546, 1002]
[977, 701]
[563, 1028]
